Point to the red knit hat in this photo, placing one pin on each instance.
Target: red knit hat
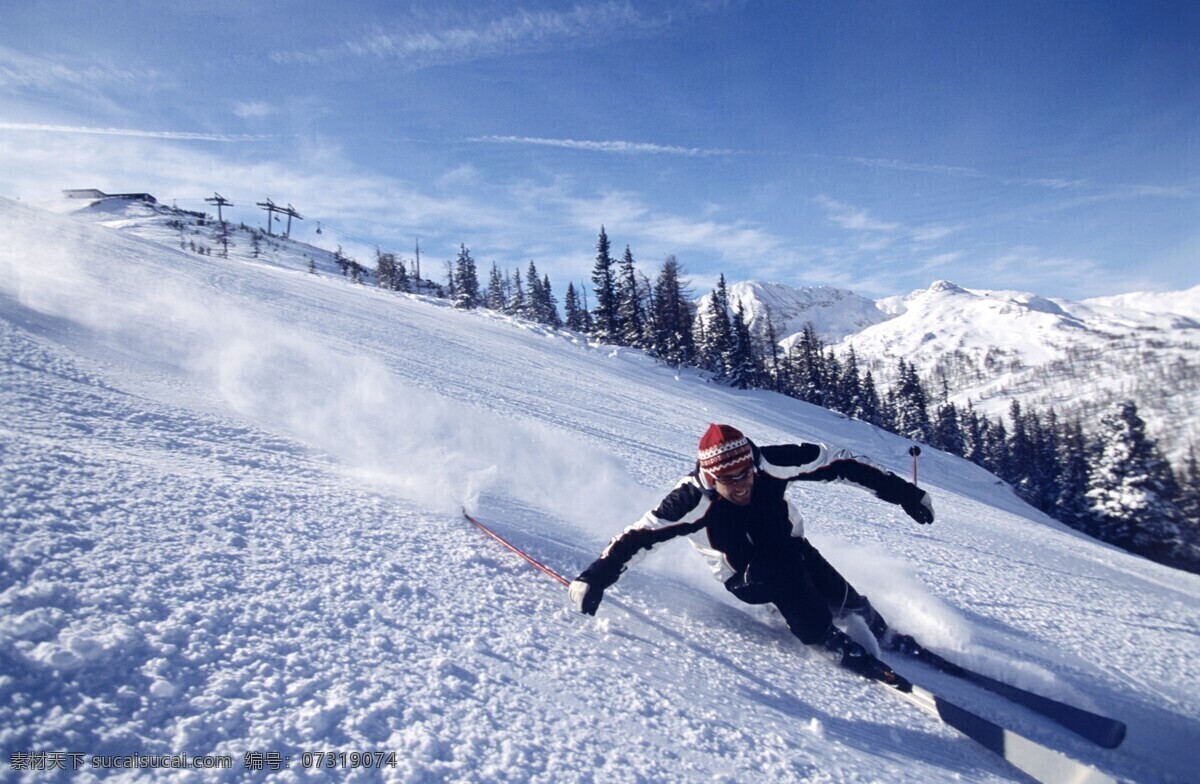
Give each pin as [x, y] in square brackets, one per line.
[724, 450]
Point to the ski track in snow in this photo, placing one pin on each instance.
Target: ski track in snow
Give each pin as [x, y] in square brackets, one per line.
[229, 518]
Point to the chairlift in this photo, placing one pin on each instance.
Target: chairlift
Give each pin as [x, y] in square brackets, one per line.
[318, 227]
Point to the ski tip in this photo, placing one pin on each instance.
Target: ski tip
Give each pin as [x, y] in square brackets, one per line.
[1114, 737]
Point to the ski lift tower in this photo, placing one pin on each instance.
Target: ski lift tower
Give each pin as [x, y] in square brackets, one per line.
[220, 201]
[291, 213]
[270, 207]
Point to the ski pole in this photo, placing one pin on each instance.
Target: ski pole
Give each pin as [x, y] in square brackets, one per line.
[536, 563]
[915, 451]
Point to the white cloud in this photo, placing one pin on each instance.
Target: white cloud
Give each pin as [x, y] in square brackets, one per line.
[926, 234]
[249, 110]
[853, 218]
[925, 168]
[172, 135]
[1091, 190]
[941, 260]
[415, 45]
[632, 148]
[22, 72]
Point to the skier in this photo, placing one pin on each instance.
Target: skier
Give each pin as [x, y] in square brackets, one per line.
[732, 506]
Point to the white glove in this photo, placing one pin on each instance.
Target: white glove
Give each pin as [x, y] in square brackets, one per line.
[585, 596]
[578, 591]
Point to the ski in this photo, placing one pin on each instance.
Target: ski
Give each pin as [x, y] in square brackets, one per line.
[1042, 763]
[1102, 730]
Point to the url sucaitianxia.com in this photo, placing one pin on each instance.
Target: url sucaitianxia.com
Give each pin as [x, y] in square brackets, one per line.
[266, 761]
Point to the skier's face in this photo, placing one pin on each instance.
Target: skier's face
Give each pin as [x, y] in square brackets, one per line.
[736, 488]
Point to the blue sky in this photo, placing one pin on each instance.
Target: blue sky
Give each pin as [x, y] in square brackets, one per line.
[876, 146]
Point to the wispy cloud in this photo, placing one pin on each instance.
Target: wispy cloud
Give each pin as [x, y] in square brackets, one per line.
[173, 135]
[1055, 183]
[248, 110]
[420, 46]
[925, 168]
[82, 83]
[941, 260]
[629, 148]
[1053, 274]
[854, 218]
[1088, 189]
[933, 233]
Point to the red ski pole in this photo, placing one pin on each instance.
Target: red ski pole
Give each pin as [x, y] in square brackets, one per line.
[536, 564]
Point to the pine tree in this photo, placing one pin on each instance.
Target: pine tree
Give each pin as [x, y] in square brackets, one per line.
[1020, 453]
[494, 299]
[403, 281]
[872, 406]
[1045, 431]
[974, 436]
[550, 303]
[832, 372]
[385, 270]
[671, 322]
[630, 315]
[997, 458]
[806, 367]
[1189, 505]
[574, 310]
[518, 305]
[911, 405]
[1133, 490]
[772, 362]
[585, 312]
[850, 391]
[947, 430]
[355, 271]
[606, 327]
[1072, 505]
[537, 309]
[743, 366]
[466, 280]
[716, 339]
[224, 238]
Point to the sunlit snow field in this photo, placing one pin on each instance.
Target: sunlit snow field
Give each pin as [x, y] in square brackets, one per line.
[230, 497]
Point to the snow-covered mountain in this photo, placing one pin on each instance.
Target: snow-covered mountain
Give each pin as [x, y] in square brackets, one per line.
[996, 346]
[1183, 303]
[229, 525]
[834, 313]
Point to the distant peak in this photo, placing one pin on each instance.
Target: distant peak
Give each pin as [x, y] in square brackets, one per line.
[947, 286]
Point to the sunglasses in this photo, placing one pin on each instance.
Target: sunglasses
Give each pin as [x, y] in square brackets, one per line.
[733, 479]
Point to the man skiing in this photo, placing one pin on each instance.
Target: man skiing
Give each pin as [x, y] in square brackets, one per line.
[732, 506]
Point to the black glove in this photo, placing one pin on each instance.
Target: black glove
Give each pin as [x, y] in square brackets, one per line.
[919, 506]
[585, 596]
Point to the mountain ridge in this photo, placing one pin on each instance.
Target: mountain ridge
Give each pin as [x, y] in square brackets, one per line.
[992, 347]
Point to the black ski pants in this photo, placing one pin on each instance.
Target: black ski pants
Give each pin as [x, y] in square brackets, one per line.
[801, 584]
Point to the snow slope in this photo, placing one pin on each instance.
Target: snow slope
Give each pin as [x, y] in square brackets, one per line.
[229, 495]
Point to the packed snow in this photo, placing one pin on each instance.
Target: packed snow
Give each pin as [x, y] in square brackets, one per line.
[230, 518]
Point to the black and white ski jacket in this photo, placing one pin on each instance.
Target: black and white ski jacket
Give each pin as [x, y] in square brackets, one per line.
[728, 535]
